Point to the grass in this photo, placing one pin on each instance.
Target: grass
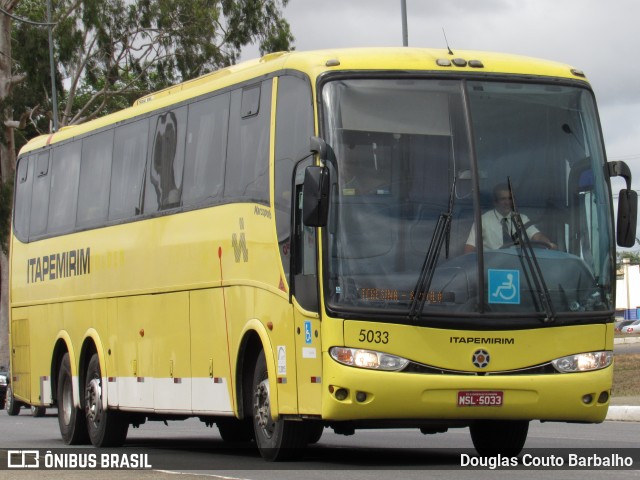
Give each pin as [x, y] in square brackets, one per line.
[626, 379]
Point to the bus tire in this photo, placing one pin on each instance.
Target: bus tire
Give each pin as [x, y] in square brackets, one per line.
[107, 428]
[276, 440]
[234, 430]
[504, 437]
[37, 411]
[313, 430]
[11, 404]
[73, 426]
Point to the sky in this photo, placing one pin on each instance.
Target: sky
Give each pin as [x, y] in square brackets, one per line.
[600, 37]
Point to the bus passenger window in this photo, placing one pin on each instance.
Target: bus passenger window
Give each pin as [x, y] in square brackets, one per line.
[166, 161]
[22, 207]
[64, 188]
[206, 150]
[95, 175]
[247, 170]
[40, 196]
[126, 172]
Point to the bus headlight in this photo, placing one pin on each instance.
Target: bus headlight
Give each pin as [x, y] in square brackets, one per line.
[584, 362]
[355, 357]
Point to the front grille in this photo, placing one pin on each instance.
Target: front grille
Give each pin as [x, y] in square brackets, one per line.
[418, 368]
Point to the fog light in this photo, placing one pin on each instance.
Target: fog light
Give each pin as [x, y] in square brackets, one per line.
[604, 397]
[342, 394]
[361, 397]
[587, 399]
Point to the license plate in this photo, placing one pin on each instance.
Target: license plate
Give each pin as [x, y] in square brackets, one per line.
[480, 399]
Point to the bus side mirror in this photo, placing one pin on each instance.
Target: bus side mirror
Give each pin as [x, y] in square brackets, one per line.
[627, 205]
[627, 217]
[315, 196]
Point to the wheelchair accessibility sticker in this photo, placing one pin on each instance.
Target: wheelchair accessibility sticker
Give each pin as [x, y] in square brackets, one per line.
[504, 286]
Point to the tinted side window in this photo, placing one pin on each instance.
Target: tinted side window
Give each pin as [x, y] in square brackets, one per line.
[294, 126]
[129, 154]
[206, 150]
[22, 207]
[40, 196]
[165, 164]
[95, 175]
[65, 170]
[247, 172]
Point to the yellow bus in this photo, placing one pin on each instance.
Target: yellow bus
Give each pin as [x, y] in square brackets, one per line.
[288, 245]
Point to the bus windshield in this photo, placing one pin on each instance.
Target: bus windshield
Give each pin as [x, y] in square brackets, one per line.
[421, 168]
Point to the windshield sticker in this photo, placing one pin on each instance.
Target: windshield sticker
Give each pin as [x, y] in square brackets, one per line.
[504, 286]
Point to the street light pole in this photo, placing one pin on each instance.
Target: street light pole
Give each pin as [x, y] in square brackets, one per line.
[625, 264]
[405, 34]
[54, 96]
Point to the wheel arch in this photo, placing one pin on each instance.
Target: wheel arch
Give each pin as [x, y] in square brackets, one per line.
[62, 345]
[254, 339]
[78, 363]
[92, 345]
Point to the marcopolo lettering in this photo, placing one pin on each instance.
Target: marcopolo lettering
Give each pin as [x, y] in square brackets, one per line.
[59, 265]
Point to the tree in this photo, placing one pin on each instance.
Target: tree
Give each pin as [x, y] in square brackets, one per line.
[633, 256]
[109, 52]
[113, 51]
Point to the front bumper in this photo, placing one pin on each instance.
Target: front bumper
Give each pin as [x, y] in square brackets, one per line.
[378, 395]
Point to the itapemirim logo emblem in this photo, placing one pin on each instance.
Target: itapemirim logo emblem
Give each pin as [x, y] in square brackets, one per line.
[481, 358]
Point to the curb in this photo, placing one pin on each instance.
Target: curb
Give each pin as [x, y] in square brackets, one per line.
[623, 414]
[620, 413]
[623, 340]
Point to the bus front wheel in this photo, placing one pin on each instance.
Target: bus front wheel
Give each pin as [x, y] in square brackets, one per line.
[37, 411]
[73, 426]
[504, 437]
[276, 439]
[107, 428]
[233, 430]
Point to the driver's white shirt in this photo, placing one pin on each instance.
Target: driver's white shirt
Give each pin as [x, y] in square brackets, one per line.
[492, 229]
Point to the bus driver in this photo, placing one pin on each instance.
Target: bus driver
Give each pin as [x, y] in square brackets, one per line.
[498, 228]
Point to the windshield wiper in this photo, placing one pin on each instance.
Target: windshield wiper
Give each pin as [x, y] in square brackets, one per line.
[524, 243]
[440, 233]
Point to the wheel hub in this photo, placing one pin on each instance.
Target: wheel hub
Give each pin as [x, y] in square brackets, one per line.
[93, 400]
[262, 409]
[67, 402]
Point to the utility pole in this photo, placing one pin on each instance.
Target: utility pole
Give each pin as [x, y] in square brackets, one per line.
[405, 34]
[54, 96]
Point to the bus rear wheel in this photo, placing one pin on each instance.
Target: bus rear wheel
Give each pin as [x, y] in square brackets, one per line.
[280, 439]
[11, 404]
[107, 428]
[73, 426]
[504, 437]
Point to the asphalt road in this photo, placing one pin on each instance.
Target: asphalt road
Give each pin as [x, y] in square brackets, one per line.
[190, 448]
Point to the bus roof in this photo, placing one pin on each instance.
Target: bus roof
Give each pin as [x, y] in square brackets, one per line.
[314, 63]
